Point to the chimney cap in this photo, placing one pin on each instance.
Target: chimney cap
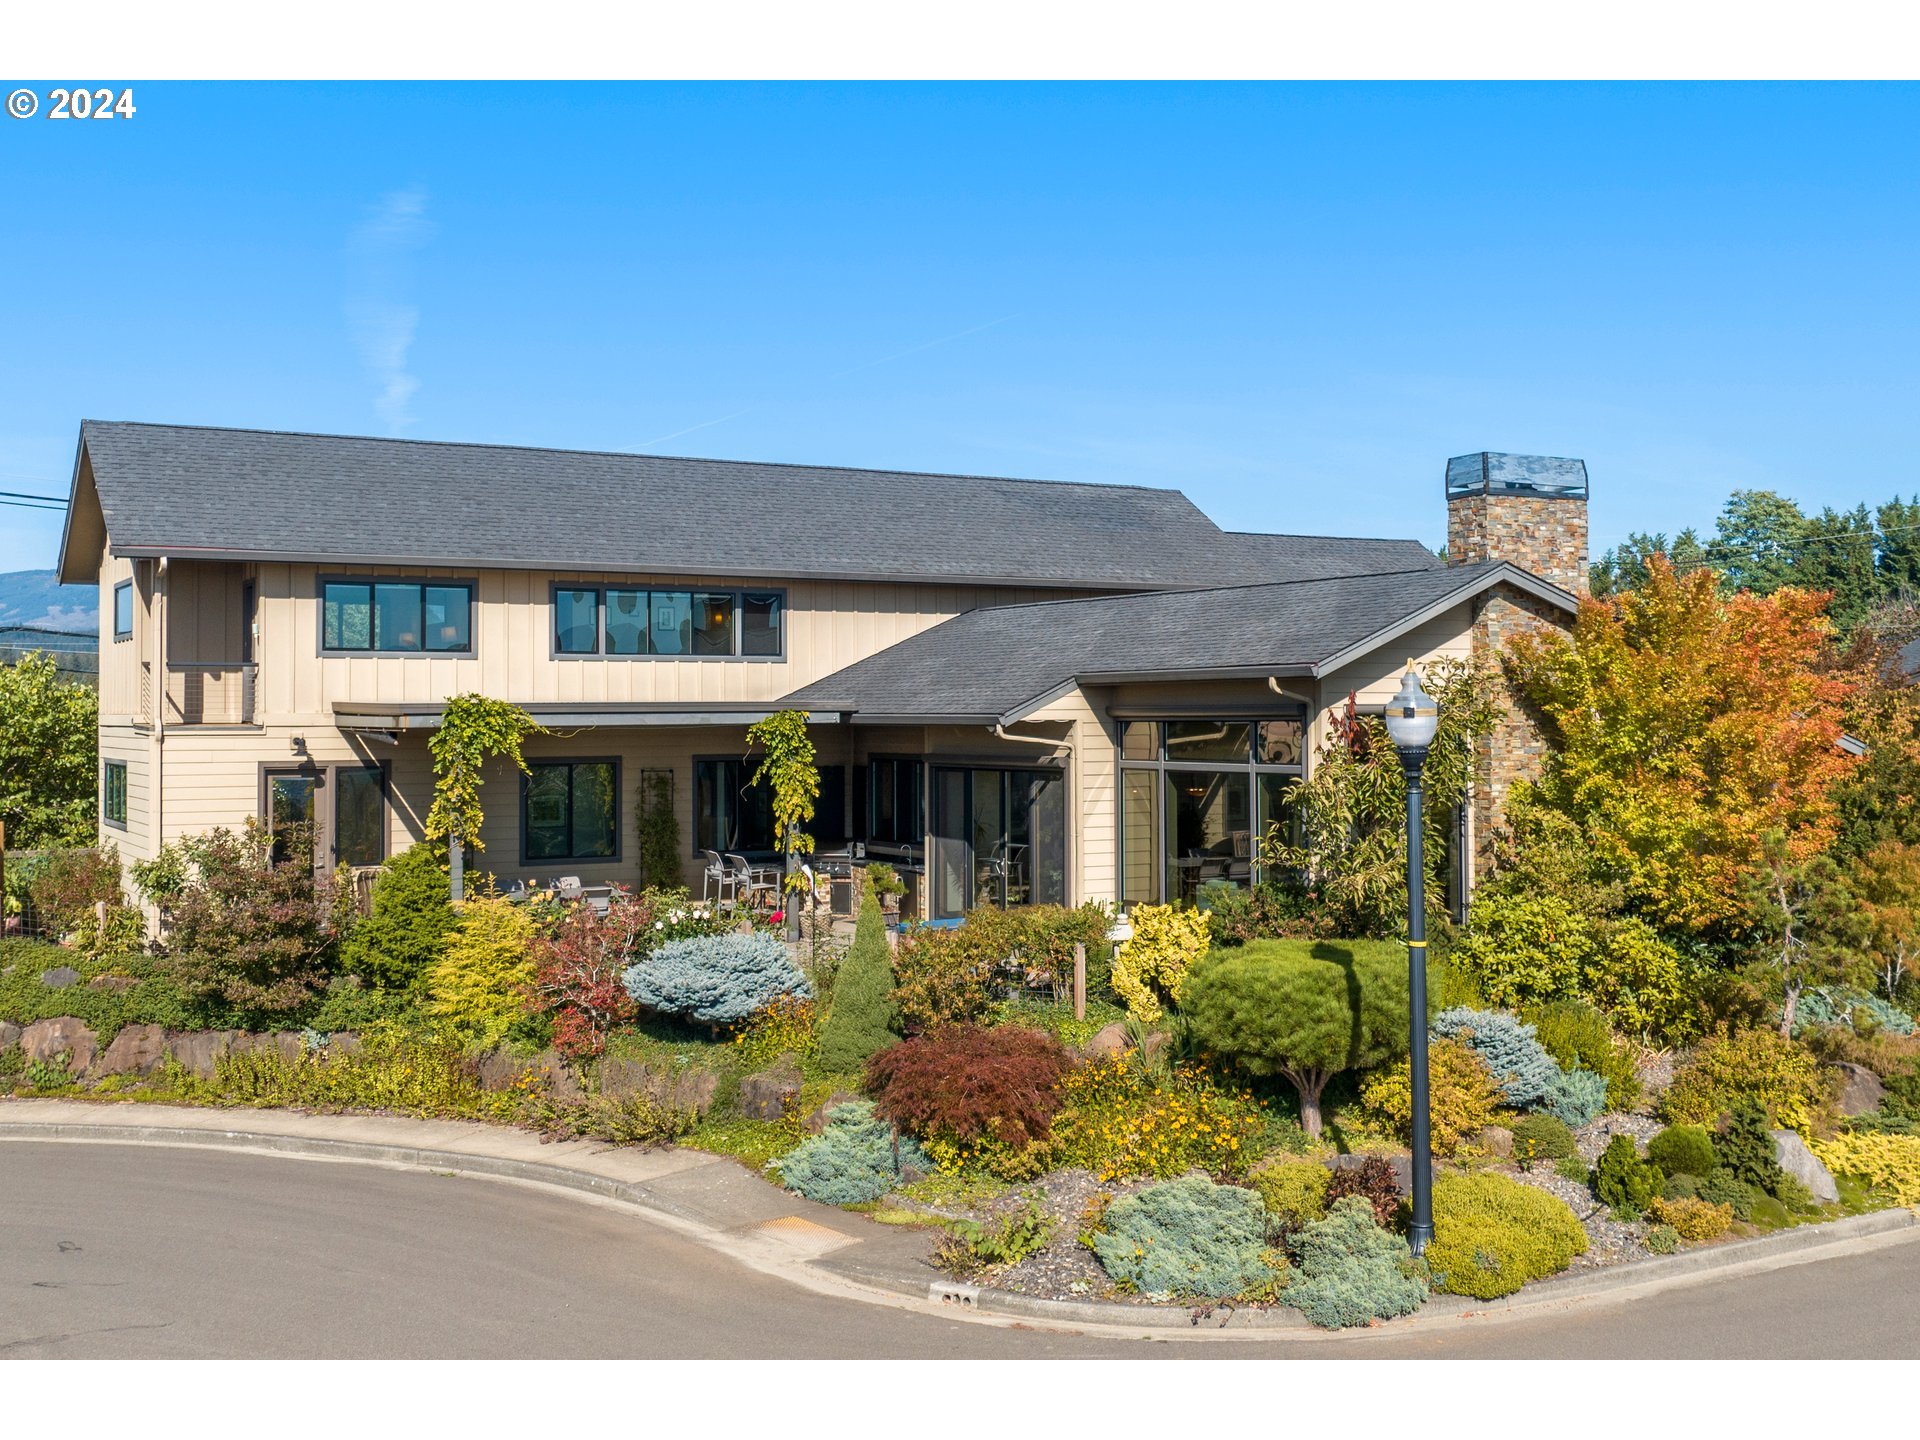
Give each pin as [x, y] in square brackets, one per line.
[1487, 472]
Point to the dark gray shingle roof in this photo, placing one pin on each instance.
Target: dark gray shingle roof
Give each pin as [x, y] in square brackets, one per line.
[988, 663]
[186, 490]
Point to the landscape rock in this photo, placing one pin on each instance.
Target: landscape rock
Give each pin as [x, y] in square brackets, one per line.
[64, 1035]
[764, 1094]
[60, 977]
[1107, 1040]
[287, 1043]
[556, 1075]
[691, 1088]
[816, 1121]
[114, 984]
[1496, 1140]
[136, 1050]
[343, 1042]
[1801, 1163]
[500, 1069]
[497, 1068]
[1402, 1168]
[1860, 1089]
[197, 1050]
[9, 1034]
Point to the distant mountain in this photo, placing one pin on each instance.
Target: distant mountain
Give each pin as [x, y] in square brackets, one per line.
[30, 597]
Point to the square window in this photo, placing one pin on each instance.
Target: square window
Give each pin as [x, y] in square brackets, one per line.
[347, 616]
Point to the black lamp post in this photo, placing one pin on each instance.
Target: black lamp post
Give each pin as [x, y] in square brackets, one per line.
[1412, 718]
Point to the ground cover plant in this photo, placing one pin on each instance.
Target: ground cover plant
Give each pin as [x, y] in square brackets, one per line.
[1493, 1234]
[858, 1157]
[1349, 1271]
[1188, 1237]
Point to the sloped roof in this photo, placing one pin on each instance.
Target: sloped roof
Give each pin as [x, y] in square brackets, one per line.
[998, 664]
[251, 494]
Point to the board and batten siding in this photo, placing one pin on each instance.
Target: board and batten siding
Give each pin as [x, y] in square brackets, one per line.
[1092, 807]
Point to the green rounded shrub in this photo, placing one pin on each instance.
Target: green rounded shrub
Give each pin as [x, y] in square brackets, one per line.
[1663, 1239]
[1294, 1191]
[1576, 1097]
[1575, 1033]
[1723, 1187]
[1681, 1187]
[1746, 1149]
[1493, 1234]
[1542, 1138]
[407, 930]
[1351, 1272]
[861, 1023]
[1187, 1237]
[1683, 1150]
[1625, 1183]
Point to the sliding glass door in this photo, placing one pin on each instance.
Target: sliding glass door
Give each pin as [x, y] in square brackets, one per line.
[999, 838]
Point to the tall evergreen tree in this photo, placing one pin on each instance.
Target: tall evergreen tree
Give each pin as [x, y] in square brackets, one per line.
[862, 1019]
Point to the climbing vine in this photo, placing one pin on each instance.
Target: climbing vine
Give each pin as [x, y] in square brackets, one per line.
[659, 831]
[787, 767]
[473, 729]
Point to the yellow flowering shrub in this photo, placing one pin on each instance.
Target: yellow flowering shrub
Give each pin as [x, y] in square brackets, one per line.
[1150, 968]
[1119, 1124]
[1461, 1097]
[1694, 1219]
[787, 1026]
[483, 980]
[1886, 1162]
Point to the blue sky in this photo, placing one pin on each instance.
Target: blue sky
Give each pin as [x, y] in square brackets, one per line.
[1291, 301]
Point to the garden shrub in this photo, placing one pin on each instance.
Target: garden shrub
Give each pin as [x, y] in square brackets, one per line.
[483, 982]
[1492, 1234]
[1121, 1122]
[964, 1083]
[69, 883]
[716, 979]
[396, 1069]
[406, 931]
[1889, 1163]
[1849, 1007]
[1150, 969]
[1461, 1098]
[579, 971]
[788, 1026]
[852, 1160]
[1639, 979]
[1576, 1034]
[1625, 1183]
[1793, 1193]
[1723, 1187]
[1576, 1097]
[1574, 1168]
[1745, 1147]
[1542, 1137]
[1784, 1076]
[1520, 1066]
[1305, 1010]
[1694, 1219]
[1663, 1240]
[1351, 1272]
[1187, 1237]
[941, 977]
[1683, 1150]
[1294, 1192]
[242, 927]
[633, 1119]
[1373, 1181]
[1005, 1239]
[1524, 949]
[1681, 1187]
[1268, 911]
[863, 1017]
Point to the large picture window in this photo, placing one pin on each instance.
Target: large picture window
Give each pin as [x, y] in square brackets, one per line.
[1195, 798]
[688, 624]
[729, 813]
[397, 617]
[570, 810]
[113, 793]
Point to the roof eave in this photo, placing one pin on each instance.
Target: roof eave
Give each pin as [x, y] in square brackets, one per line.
[1505, 572]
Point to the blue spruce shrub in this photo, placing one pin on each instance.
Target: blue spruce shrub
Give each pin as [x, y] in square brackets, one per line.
[1187, 1237]
[1521, 1066]
[1351, 1272]
[1576, 1097]
[852, 1160]
[1825, 1005]
[716, 979]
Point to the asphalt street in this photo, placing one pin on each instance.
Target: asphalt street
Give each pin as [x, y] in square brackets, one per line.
[121, 1251]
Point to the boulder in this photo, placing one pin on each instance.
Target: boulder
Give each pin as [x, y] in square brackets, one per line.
[288, 1043]
[343, 1042]
[9, 1034]
[816, 1120]
[60, 977]
[764, 1094]
[1496, 1140]
[1801, 1163]
[136, 1050]
[500, 1069]
[683, 1089]
[44, 1039]
[556, 1075]
[197, 1050]
[1402, 1168]
[1107, 1040]
[1860, 1089]
[113, 984]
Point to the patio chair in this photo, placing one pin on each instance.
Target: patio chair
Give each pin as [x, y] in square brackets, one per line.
[716, 881]
[569, 887]
[752, 881]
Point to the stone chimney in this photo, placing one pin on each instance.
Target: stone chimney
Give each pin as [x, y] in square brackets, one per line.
[1529, 510]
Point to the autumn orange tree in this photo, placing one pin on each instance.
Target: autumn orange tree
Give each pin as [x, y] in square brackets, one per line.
[1684, 726]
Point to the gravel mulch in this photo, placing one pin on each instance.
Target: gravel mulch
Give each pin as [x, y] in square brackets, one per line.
[1609, 1241]
[1592, 1137]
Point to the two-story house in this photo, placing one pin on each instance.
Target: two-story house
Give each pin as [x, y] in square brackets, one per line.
[1021, 690]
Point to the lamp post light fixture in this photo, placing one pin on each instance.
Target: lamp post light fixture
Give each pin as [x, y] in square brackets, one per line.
[1412, 718]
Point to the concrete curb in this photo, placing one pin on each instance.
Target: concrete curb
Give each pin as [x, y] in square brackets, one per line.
[848, 1265]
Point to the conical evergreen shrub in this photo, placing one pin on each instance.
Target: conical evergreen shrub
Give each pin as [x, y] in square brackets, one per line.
[861, 1021]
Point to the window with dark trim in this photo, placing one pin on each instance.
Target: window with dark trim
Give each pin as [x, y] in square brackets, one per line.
[396, 617]
[570, 810]
[896, 801]
[729, 812]
[359, 814]
[626, 620]
[123, 610]
[113, 793]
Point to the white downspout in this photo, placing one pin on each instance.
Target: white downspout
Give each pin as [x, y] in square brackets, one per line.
[159, 701]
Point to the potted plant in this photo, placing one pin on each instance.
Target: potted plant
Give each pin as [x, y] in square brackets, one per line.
[887, 887]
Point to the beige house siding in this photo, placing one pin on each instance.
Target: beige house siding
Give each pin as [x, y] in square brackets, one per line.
[120, 660]
[134, 749]
[1091, 805]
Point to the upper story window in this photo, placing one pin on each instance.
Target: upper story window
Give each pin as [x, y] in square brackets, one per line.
[123, 610]
[694, 624]
[397, 616]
